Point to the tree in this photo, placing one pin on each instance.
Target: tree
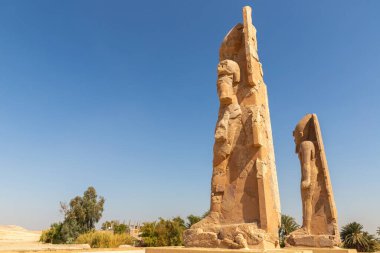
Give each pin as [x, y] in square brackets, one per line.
[288, 225]
[80, 216]
[378, 231]
[86, 210]
[353, 237]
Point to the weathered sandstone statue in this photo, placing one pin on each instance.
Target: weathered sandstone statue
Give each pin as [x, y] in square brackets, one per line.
[319, 226]
[245, 205]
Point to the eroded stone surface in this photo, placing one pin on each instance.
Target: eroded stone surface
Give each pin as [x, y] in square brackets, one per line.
[245, 205]
[319, 226]
[314, 241]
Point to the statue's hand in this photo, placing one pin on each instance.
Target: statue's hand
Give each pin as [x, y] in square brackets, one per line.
[305, 184]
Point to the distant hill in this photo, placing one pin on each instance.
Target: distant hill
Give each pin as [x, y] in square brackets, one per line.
[17, 239]
[12, 233]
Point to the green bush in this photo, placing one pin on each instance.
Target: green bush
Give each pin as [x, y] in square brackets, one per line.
[53, 234]
[163, 233]
[120, 229]
[104, 239]
[62, 232]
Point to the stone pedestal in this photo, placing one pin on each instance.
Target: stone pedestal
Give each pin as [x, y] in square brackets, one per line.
[232, 236]
[314, 241]
[218, 250]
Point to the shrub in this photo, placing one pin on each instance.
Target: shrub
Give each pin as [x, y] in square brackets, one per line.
[104, 239]
[163, 233]
[53, 234]
[120, 229]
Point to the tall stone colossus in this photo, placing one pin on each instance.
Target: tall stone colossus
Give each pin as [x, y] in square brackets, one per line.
[245, 204]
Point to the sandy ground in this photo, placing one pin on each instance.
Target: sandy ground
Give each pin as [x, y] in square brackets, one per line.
[17, 239]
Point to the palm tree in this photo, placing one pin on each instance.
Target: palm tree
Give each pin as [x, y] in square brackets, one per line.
[288, 225]
[353, 237]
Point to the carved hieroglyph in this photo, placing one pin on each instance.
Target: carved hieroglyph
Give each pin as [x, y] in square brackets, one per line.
[319, 226]
[245, 204]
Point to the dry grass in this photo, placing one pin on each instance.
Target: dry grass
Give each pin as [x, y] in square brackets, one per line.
[104, 239]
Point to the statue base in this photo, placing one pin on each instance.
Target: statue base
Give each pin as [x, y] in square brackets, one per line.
[229, 236]
[300, 238]
[283, 250]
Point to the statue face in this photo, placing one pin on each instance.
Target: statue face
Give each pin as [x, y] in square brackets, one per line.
[228, 76]
[225, 89]
[297, 136]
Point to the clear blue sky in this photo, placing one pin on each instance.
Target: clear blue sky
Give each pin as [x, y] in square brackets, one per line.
[121, 95]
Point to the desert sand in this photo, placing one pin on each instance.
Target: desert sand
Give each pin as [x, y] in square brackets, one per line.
[18, 239]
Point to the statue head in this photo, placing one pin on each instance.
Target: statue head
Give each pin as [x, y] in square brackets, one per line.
[301, 131]
[232, 43]
[228, 77]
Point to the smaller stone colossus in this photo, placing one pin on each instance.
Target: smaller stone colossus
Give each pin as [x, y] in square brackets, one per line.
[319, 225]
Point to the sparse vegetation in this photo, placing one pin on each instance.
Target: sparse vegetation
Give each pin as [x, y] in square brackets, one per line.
[80, 216]
[166, 232]
[116, 226]
[192, 219]
[104, 239]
